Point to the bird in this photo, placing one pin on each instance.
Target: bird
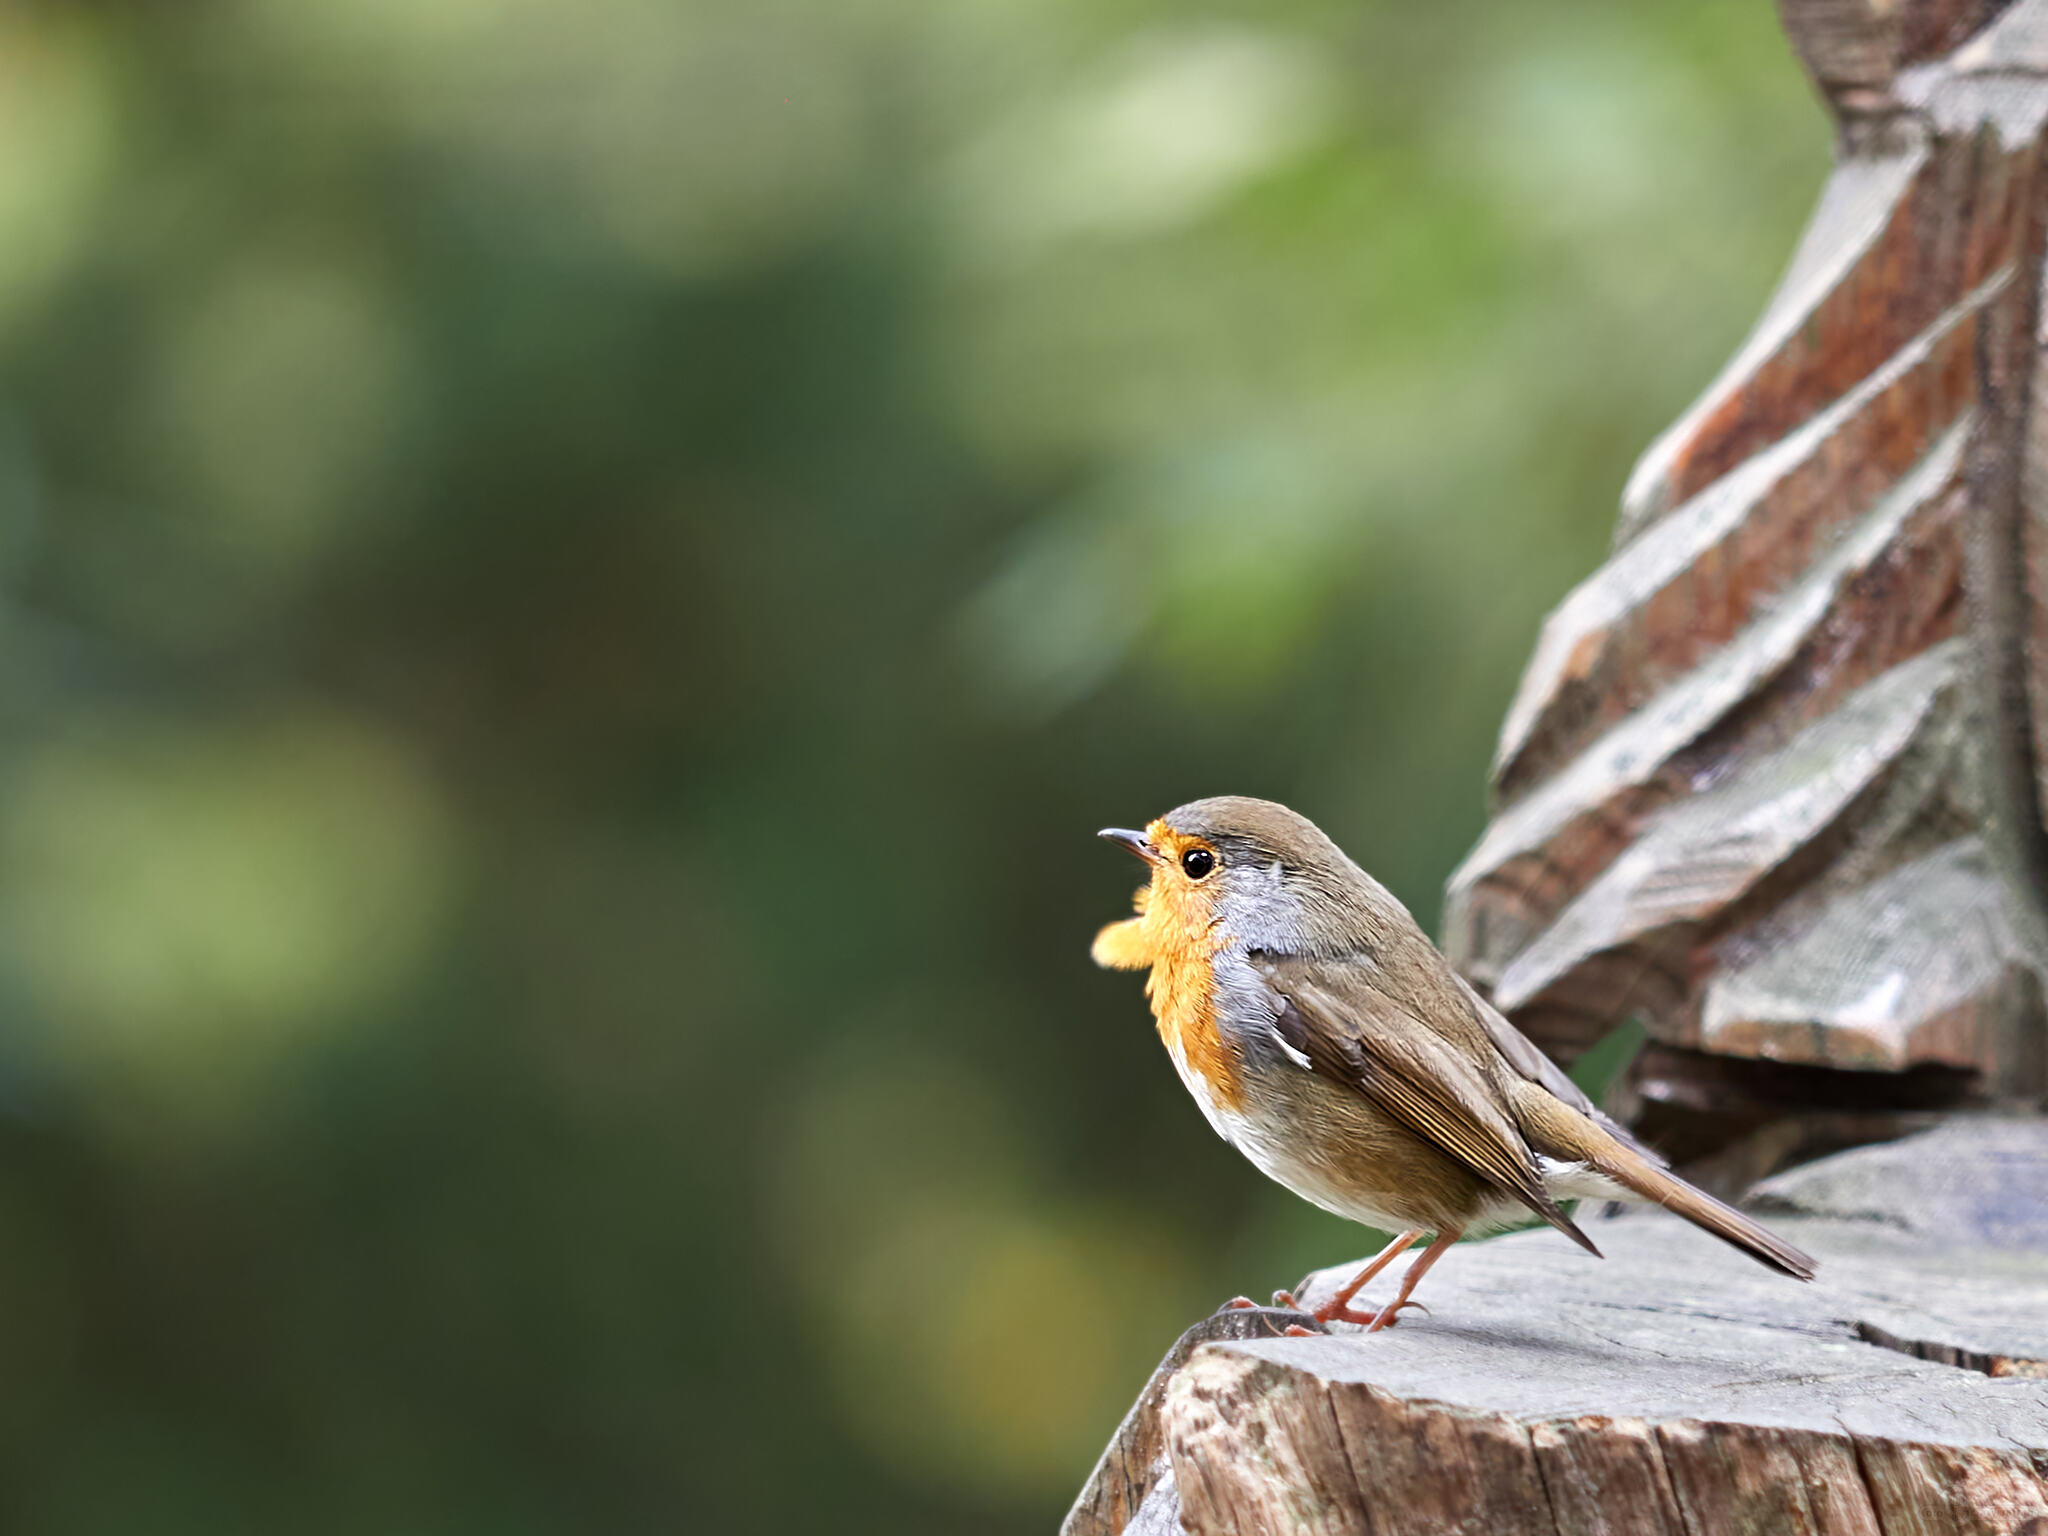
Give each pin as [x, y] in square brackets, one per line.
[1326, 1038]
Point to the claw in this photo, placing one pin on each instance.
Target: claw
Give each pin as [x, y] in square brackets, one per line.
[1296, 1331]
[1391, 1315]
[1286, 1299]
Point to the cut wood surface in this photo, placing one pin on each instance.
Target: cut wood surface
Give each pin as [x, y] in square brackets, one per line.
[1675, 1388]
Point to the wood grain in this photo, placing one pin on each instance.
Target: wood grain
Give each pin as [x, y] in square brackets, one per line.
[1797, 725]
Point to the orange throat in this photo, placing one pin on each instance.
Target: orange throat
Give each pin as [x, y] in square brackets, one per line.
[1177, 936]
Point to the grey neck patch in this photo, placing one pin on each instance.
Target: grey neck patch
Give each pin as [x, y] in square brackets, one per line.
[1260, 909]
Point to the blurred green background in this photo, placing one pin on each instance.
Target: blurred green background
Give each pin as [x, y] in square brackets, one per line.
[575, 580]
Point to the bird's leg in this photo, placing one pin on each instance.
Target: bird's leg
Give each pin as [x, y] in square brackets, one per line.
[1416, 1271]
[1338, 1308]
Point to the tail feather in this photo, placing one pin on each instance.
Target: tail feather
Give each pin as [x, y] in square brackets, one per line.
[1556, 1128]
[1703, 1210]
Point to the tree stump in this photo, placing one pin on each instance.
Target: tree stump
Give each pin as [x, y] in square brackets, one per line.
[1676, 1389]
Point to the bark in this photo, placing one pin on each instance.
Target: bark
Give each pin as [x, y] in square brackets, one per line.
[1677, 1388]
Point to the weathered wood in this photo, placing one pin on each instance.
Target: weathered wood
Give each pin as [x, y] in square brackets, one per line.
[1870, 772]
[1920, 965]
[1854, 49]
[1133, 1483]
[1674, 1389]
[1797, 725]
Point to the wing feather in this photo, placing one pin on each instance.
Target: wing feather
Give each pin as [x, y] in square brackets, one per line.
[1521, 1053]
[1355, 1035]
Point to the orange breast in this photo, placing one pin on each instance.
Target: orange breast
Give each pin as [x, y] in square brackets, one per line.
[1182, 990]
[1176, 937]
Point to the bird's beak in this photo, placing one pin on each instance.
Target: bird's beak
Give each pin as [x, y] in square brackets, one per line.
[1133, 841]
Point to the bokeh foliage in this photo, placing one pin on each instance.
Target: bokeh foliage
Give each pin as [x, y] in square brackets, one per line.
[574, 579]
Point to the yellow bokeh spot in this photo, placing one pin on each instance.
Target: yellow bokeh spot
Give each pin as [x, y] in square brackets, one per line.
[189, 905]
[283, 392]
[995, 1350]
[984, 1334]
[57, 137]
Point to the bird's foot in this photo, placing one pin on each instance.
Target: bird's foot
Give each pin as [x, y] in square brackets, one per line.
[1288, 1301]
[1373, 1319]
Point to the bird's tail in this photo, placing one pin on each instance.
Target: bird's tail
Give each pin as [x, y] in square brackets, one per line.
[1563, 1132]
[1703, 1210]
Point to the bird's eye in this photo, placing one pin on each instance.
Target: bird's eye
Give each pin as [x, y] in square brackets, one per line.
[1197, 862]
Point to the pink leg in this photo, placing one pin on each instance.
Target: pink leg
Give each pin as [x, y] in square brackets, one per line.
[1416, 1271]
[1338, 1308]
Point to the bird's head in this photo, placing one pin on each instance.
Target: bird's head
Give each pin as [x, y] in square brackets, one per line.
[1231, 869]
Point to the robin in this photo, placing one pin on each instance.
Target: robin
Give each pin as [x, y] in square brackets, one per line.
[1330, 1042]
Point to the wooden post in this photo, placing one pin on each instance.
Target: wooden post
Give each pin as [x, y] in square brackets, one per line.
[1773, 780]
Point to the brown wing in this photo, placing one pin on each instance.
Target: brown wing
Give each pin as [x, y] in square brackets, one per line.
[1354, 1034]
[1522, 1053]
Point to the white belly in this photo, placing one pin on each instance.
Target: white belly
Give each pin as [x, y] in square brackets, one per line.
[1273, 1149]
